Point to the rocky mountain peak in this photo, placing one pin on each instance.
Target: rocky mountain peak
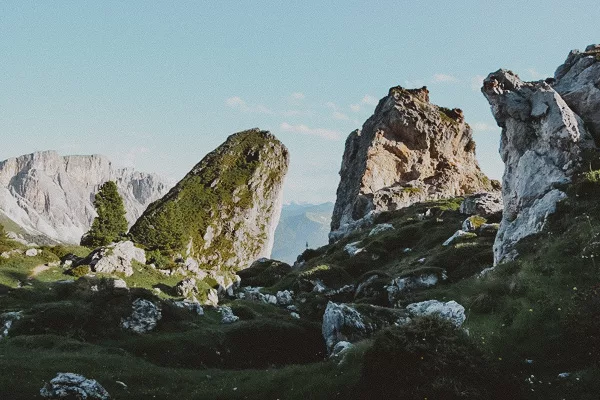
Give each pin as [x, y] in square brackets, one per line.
[51, 196]
[408, 151]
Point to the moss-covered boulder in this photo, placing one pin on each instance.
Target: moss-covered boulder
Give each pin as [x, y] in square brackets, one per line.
[223, 213]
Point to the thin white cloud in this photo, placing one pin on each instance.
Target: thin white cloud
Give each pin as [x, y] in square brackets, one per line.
[297, 95]
[129, 159]
[238, 103]
[296, 113]
[340, 116]
[370, 100]
[417, 83]
[477, 82]
[484, 127]
[355, 107]
[534, 74]
[444, 78]
[305, 130]
[331, 104]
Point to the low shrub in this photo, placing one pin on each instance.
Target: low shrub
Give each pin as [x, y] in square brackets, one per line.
[427, 359]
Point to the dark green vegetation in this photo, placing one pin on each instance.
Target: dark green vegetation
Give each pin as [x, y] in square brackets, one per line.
[110, 224]
[217, 189]
[527, 320]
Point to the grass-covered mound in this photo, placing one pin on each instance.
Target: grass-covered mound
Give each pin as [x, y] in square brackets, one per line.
[221, 211]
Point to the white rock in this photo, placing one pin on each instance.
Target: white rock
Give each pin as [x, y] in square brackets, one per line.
[212, 298]
[352, 249]
[227, 316]
[191, 305]
[295, 315]
[459, 233]
[484, 204]
[31, 252]
[285, 297]
[341, 323]
[452, 311]
[187, 288]
[69, 385]
[381, 228]
[115, 258]
[7, 320]
[144, 318]
[541, 145]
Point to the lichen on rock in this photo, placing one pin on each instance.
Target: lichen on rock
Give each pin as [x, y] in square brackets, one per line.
[224, 212]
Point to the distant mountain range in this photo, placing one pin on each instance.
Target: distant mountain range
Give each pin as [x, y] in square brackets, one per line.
[301, 224]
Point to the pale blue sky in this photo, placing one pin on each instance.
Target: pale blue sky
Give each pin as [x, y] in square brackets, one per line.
[160, 84]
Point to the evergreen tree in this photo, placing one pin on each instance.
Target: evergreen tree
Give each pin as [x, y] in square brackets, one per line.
[110, 224]
[2, 234]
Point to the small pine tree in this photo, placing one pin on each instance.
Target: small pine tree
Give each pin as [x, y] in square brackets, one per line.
[110, 224]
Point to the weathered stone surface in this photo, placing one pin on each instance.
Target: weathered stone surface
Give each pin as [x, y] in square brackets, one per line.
[485, 204]
[224, 212]
[31, 252]
[115, 258]
[578, 83]
[342, 322]
[380, 229]
[452, 311]
[144, 318]
[408, 151]
[541, 145]
[402, 285]
[52, 196]
[67, 385]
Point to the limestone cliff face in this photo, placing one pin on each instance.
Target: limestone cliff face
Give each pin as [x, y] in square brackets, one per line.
[408, 151]
[224, 212]
[545, 127]
[51, 195]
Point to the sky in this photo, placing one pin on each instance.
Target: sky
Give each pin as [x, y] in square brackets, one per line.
[158, 85]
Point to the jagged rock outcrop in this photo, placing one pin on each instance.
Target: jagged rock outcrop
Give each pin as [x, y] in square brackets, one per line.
[542, 141]
[408, 151]
[484, 204]
[51, 196]
[225, 211]
[451, 310]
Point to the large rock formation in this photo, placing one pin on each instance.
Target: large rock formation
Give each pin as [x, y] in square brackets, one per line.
[225, 211]
[52, 196]
[408, 151]
[542, 140]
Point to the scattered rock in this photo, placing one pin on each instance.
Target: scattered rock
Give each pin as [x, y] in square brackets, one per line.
[285, 297]
[485, 204]
[7, 320]
[191, 305]
[10, 253]
[67, 385]
[452, 311]
[352, 249]
[144, 317]
[212, 298]
[31, 252]
[115, 258]
[473, 223]
[340, 348]
[295, 315]
[227, 316]
[399, 286]
[381, 228]
[342, 323]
